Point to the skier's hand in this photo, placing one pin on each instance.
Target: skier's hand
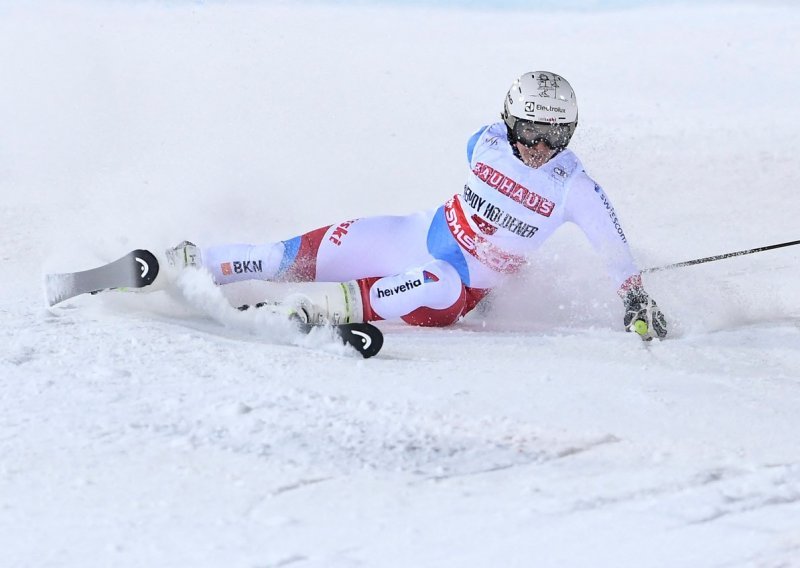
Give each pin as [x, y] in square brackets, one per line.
[643, 316]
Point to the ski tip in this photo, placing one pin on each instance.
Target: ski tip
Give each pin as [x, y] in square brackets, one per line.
[364, 337]
[137, 269]
[146, 265]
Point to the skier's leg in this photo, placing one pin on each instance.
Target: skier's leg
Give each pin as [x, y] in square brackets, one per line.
[371, 246]
[430, 295]
[282, 260]
[353, 271]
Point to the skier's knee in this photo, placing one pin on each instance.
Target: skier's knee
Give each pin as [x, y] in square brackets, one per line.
[431, 295]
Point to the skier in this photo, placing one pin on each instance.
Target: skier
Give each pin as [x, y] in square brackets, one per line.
[432, 267]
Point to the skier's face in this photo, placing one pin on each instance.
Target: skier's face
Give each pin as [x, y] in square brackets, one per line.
[535, 156]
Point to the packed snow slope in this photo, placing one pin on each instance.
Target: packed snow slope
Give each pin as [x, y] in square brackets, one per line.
[135, 430]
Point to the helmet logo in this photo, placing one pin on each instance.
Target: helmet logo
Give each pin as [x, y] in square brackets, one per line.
[531, 107]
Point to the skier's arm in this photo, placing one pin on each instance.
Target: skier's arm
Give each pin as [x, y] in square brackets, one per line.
[590, 208]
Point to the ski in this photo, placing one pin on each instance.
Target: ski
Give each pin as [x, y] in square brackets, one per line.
[363, 337]
[139, 268]
[136, 269]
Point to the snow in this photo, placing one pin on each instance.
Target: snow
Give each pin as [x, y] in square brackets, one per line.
[137, 430]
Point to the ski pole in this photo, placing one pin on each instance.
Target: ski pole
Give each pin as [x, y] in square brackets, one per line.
[719, 257]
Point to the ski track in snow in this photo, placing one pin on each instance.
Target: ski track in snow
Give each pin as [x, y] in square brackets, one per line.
[131, 413]
[168, 430]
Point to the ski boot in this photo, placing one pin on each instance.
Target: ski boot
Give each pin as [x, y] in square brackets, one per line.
[315, 303]
[185, 254]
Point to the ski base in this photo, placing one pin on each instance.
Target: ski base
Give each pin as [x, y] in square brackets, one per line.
[137, 269]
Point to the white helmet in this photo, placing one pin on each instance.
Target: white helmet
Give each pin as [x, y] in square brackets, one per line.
[540, 106]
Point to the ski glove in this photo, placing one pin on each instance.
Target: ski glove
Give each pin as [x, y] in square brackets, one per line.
[643, 316]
